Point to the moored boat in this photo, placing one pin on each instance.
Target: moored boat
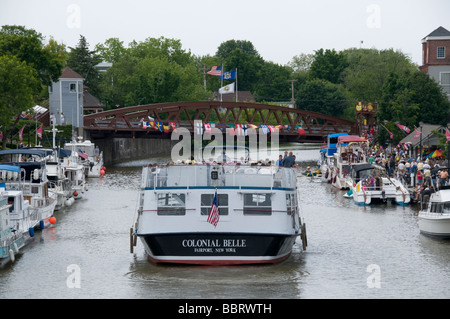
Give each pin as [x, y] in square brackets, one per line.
[12, 239]
[257, 221]
[327, 155]
[32, 181]
[434, 218]
[90, 156]
[370, 184]
[350, 153]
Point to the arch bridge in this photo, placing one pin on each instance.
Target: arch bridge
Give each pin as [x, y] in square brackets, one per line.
[129, 121]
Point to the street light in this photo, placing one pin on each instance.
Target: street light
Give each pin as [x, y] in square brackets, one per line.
[421, 124]
[448, 150]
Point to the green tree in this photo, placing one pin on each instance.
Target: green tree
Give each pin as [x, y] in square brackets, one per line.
[83, 61]
[273, 83]
[28, 45]
[323, 97]
[328, 65]
[18, 82]
[153, 71]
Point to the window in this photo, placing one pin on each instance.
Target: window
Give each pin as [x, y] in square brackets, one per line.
[290, 204]
[72, 87]
[445, 81]
[171, 204]
[206, 203]
[441, 52]
[257, 204]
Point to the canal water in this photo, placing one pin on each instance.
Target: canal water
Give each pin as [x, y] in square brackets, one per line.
[353, 252]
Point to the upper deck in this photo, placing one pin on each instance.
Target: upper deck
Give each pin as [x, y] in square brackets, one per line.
[218, 176]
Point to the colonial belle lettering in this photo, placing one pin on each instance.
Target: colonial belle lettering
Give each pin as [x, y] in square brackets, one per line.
[214, 243]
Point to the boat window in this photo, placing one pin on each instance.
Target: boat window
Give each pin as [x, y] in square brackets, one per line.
[436, 208]
[257, 204]
[446, 208]
[171, 204]
[206, 203]
[290, 204]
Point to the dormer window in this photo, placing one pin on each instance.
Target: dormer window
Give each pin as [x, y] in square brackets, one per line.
[441, 52]
[73, 88]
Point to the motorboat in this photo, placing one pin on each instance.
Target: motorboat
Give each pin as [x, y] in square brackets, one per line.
[218, 214]
[90, 156]
[327, 155]
[369, 183]
[12, 238]
[32, 180]
[434, 217]
[350, 153]
[75, 172]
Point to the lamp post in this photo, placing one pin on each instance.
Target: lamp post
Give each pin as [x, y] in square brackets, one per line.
[448, 150]
[421, 124]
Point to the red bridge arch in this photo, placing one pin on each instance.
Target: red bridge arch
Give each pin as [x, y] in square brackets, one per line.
[128, 121]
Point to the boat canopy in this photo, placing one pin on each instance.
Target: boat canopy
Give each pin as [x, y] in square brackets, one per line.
[24, 151]
[351, 139]
[9, 168]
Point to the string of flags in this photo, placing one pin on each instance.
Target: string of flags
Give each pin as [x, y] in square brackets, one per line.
[233, 129]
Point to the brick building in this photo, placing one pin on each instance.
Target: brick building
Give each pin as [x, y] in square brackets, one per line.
[436, 57]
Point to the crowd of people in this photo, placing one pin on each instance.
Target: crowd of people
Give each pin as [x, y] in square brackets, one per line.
[425, 174]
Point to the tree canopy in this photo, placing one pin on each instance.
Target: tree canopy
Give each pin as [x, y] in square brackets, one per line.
[160, 70]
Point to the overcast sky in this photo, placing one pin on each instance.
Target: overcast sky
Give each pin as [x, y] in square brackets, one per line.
[279, 29]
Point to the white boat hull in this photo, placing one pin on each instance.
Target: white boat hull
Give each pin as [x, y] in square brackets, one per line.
[434, 224]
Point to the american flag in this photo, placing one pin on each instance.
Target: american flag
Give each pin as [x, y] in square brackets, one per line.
[213, 217]
[215, 70]
[82, 154]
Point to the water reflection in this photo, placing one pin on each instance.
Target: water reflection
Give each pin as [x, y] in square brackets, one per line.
[343, 240]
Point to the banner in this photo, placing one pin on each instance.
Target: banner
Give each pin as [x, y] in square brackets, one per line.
[227, 89]
[215, 70]
[230, 75]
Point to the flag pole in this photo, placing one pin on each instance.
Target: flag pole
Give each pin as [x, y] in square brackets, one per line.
[236, 87]
[221, 81]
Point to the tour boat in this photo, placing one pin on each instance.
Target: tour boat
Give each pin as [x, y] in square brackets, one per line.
[32, 180]
[89, 156]
[369, 183]
[350, 153]
[434, 218]
[12, 238]
[218, 214]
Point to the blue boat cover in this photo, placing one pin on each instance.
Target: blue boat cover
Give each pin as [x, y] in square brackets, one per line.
[11, 168]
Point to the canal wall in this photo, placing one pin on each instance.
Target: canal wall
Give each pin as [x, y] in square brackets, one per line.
[116, 150]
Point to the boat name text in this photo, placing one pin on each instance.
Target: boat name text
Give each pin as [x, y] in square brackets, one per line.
[214, 243]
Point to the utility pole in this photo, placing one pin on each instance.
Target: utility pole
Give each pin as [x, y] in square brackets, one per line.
[292, 92]
[204, 76]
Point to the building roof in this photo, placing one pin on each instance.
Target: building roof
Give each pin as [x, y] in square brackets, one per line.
[438, 33]
[243, 96]
[428, 138]
[91, 102]
[68, 73]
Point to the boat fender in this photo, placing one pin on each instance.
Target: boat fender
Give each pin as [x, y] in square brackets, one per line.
[326, 174]
[31, 231]
[41, 224]
[36, 174]
[16, 248]
[11, 255]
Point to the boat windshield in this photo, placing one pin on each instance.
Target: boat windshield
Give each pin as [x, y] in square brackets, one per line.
[440, 208]
[227, 175]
